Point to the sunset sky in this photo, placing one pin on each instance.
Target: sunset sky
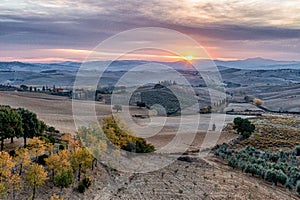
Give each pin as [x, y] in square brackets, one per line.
[60, 30]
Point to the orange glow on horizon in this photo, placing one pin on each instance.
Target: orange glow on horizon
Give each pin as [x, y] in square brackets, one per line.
[80, 55]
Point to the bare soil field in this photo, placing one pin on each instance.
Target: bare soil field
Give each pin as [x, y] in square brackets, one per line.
[57, 111]
[274, 133]
[201, 178]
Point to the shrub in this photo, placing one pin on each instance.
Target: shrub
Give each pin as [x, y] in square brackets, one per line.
[81, 188]
[298, 188]
[64, 178]
[281, 177]
[87, 182]
[61, 147]
[45, 139]
[289, 185]
[51, 139]
[12, 153]
[139, 146]
[262, 173]
[297, 150]
[243, 165]
[41, 159]
[120, 135]
[270, 176]
[232, 162]
[274, 157]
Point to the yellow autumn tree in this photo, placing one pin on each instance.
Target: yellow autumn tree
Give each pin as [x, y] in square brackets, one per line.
[258, 101]
[98, 148]
[120, 135]
[116, 131]
[49, 147]
[58, 161]
[70, 142]
[35, 177]
[56, 197]
[94, 139]
[6, 166]
[3, 189]
[36, 147]
[22, 158]
[81, 160]
[15, 183]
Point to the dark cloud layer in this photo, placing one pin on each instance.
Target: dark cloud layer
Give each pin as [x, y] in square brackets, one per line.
[83, 24]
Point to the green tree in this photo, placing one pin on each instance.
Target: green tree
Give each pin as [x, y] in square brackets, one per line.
[243, 127]
[117, 108]
[140, 104]
[10, 124]
[35, 176]
[31, 125]
[63, 179]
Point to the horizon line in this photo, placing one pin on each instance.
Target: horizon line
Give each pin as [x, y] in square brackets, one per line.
[179, 60]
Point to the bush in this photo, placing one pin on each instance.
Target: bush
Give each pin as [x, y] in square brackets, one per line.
[51, 139]
[120, 135]
[64, 178]
[298, 188]
[61, 147]
[270, 176]
[232, 162]
[297, 150]
[41, 159]
[81, 188]
[45, 139]
[52, 129]
[289, 185]
[143, 147]
[87, 182]
[12, 153]
[274, 157]
[281, 177]
[273, 167]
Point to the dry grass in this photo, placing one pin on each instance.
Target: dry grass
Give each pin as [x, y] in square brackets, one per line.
[180, 180]
[273, 133]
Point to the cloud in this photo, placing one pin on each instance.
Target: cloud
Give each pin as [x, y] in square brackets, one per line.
[83, 24]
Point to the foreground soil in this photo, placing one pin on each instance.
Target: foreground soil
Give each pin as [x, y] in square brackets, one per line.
[188, 178]
[196, 179]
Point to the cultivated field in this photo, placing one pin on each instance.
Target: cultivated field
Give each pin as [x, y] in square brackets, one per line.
[194, 178]
[57, 111]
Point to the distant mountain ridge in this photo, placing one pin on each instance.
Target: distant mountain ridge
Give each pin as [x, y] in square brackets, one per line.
[259, 64]
[125, 65]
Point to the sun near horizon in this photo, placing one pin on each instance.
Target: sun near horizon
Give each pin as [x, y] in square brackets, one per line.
[189, 58]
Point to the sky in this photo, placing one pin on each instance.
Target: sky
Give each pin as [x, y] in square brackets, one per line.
[61, 30]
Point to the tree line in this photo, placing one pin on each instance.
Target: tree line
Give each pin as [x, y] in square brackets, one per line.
[275, 167]
[20, 122]
[40, 161]
[61, 163]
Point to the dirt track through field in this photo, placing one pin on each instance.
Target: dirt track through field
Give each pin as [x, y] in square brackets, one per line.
[57, 111]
